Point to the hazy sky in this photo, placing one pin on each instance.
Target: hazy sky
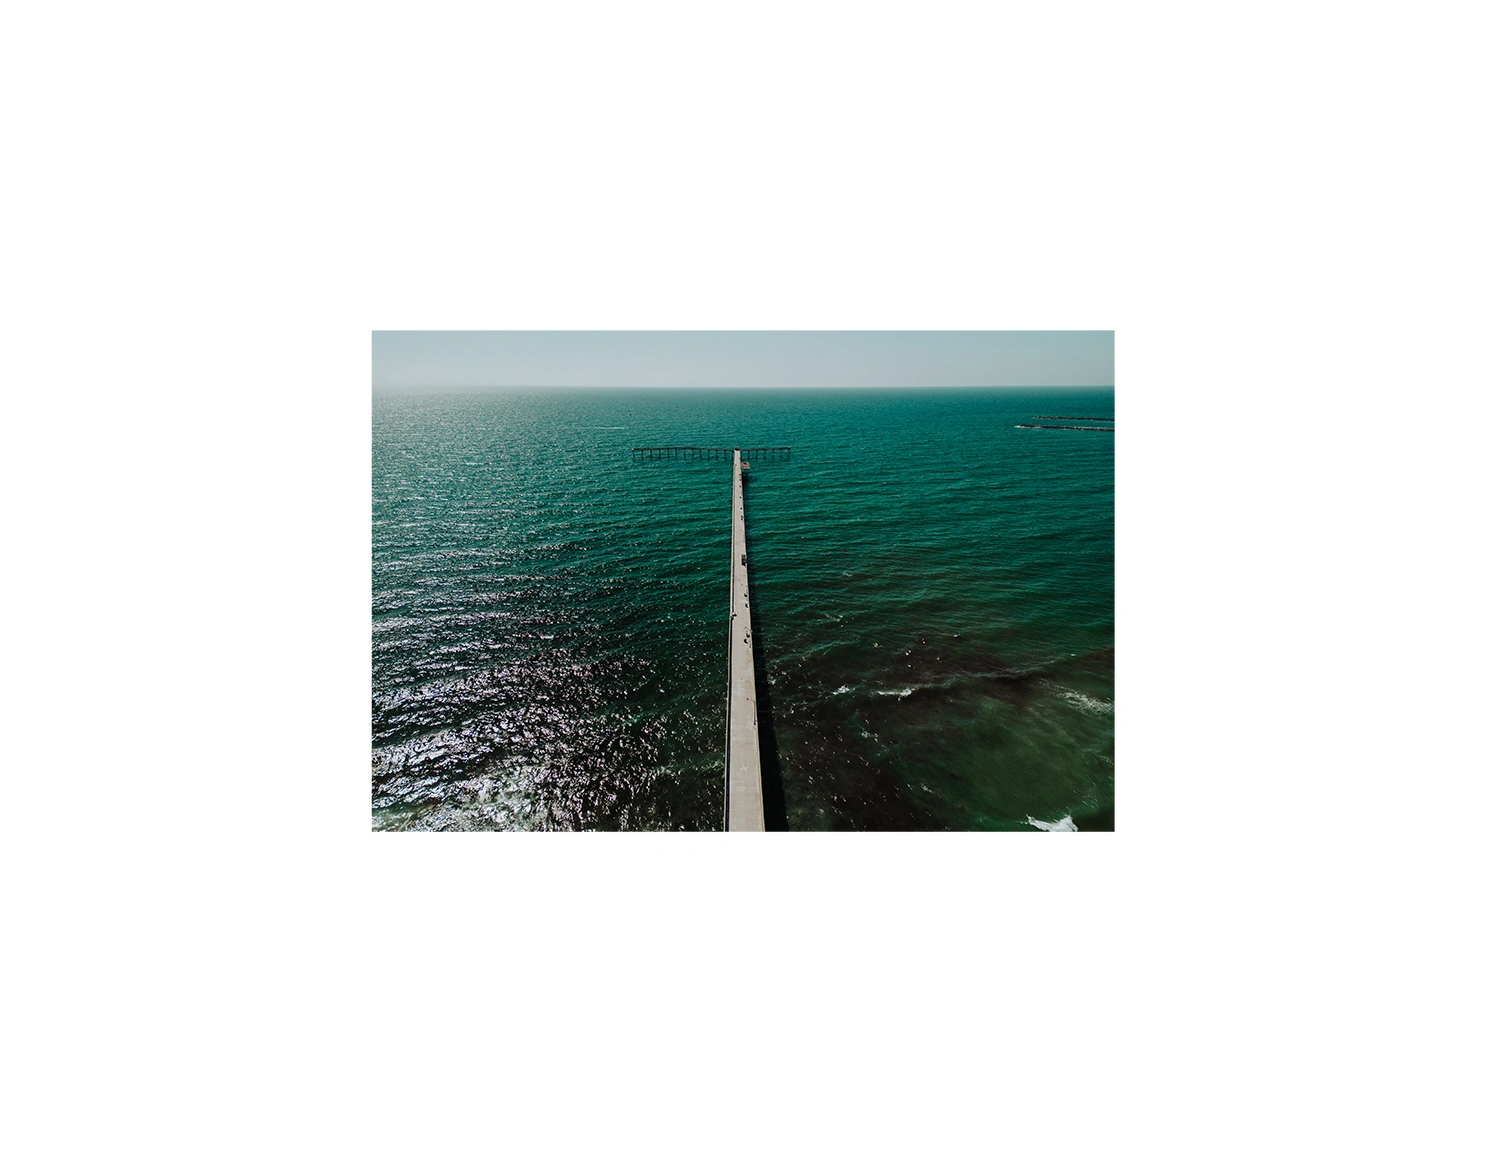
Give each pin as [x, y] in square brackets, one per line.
[710, 359]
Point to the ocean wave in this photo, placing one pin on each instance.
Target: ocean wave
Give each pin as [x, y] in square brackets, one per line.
[1085, 702]
[1065, 825]
[558, 634]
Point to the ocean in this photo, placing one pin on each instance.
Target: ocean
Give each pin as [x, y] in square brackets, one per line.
[933, 599]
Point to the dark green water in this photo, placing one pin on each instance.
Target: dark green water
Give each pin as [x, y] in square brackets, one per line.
[933, 595]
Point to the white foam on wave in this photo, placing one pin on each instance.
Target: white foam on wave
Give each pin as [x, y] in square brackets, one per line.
[1065, 825]
[844, 690]
[1086, 702]
[899, 694]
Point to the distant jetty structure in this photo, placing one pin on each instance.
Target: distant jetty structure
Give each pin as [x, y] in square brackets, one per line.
[744, 804]
[1072, 418]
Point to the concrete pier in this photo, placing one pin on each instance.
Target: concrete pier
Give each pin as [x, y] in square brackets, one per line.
[744, 807]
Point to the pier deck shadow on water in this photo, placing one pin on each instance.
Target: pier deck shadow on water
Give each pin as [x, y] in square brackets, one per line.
[773, 796]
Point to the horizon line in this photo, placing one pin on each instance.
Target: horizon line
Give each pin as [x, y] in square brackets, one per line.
[657, 386]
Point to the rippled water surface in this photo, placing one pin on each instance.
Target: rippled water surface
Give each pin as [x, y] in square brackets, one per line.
[933, 593]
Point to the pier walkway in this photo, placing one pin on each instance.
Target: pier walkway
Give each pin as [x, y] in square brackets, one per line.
[744, 806]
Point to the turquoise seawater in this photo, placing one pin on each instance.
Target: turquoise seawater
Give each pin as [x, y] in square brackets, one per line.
[933, 601]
